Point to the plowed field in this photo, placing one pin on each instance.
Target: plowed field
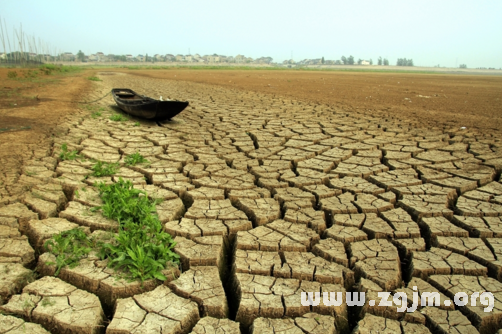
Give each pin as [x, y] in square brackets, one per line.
[272, 184]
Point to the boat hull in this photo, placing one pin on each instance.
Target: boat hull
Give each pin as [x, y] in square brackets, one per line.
[146, 107]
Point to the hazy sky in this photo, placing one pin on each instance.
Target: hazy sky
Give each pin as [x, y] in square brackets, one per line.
[445, 32]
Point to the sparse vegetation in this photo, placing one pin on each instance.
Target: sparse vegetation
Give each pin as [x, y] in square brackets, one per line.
[104, 169]
[94, 79]
[28, 304]
[11, 74]
[141, 249]
[134, 159]
[66, 154]
[96, 114]
[47, 301]
[118, 118]
[68, 247]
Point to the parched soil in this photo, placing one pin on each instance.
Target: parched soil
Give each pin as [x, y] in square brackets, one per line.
[453, 100]
[269, 191]
[30, 109]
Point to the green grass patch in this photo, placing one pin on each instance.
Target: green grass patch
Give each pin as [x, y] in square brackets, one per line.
[134, 159]
[11, 74]
[69, 247]
[96, 114]
[39, 74]
[118, 118]
[67, 154]
[94, 79]
[104, 169]
[49, 69]
[140, 250]
[143, 249]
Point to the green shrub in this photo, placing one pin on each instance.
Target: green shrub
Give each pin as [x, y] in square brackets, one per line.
[68, 155]
[118, 118]
[141, 249]
[68, 247]
[104, 169]
[133, 159]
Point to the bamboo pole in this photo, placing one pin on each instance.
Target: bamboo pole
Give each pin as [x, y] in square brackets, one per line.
[8, 39]
[3, 39]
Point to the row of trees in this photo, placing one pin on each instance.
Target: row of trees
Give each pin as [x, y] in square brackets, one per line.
[404, 62]
[384, 61]
[381, 61]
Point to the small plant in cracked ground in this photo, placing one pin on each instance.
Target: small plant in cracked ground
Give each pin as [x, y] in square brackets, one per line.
[134, 159]
[118, 118]
[68, 155]
[69, 247]
[140, 249]
[104, 169]
[143, 249]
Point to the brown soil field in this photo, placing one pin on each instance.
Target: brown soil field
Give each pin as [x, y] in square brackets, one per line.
[454, 100]
[31, 108]
[272, 184]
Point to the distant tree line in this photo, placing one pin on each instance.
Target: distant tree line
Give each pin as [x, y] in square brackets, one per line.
[384, 61]
[348, 61]
[404, 62]
[381, 61]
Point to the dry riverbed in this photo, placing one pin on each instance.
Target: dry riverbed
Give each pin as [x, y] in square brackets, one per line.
[267, 196]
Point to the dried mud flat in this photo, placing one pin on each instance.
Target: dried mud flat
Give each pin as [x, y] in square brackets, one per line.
[267, 197]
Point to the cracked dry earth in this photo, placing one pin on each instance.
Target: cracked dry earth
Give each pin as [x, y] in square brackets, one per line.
[266, 198]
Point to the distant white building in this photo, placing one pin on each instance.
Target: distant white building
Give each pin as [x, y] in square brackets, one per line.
[365, 62]
[240, 59]
[213, 59]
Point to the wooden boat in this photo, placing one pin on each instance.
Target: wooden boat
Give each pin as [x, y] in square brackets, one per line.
[146, 107]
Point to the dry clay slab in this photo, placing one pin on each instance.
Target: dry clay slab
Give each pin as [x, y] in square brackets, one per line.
[58, 306]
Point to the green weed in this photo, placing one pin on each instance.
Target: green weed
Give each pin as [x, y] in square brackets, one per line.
[136, 124]
[68, 155]
[69, 247]
[47, 301]
[49, 69]
[133, 159]
[94, 79]
[142, 248]
[31, 74]
[11, 74]
[118, 118]
[104, 169]
[96, 114]
[28, 304]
